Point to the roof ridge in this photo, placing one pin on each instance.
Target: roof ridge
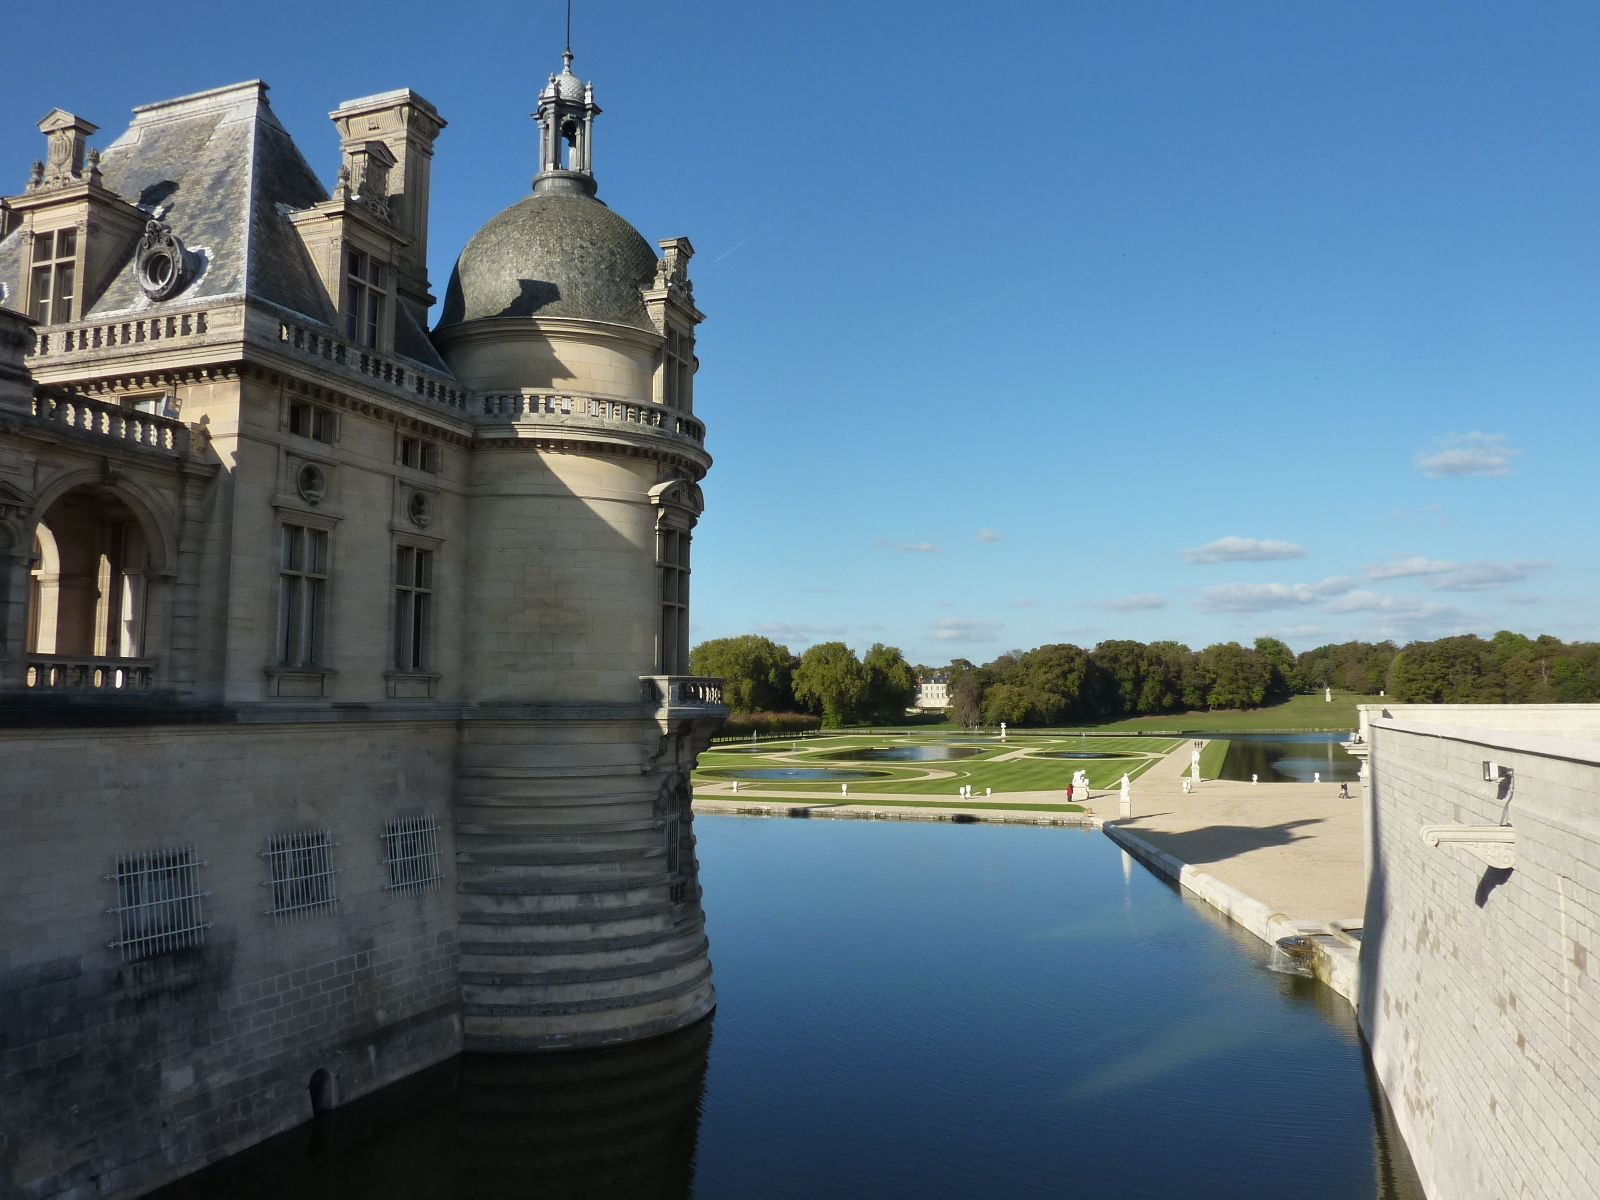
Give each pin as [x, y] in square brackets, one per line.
[218, 97]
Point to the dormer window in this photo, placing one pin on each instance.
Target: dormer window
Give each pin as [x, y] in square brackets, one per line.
[55, 275]
[363, 298]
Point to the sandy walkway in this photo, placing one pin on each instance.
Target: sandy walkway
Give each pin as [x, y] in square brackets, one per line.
[1294, 846]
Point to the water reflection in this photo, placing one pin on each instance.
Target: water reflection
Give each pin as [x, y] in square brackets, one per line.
[797, 774]
[906, 754]
[614, 1124]
[1288, 757]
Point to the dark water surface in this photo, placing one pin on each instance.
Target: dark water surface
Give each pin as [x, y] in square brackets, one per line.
[1288, 757]
[796, 774]
[1082, 754]
[905, 754]
[906, 1010]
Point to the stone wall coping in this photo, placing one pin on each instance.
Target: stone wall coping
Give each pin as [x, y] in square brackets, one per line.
[1578, 750]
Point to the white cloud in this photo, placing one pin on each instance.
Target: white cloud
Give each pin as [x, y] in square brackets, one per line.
[1521, 598]
[1403, 616]
[989, 535]
[1467, 454]
[798, 633]
[1263, 597]
[1238, 549]
[954, 629]
[1296, 632]
[1442, 575]
[919, 547]
[1132, 603]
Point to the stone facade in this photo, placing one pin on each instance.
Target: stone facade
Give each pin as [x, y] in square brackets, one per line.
[341, 662]
[1478, 992]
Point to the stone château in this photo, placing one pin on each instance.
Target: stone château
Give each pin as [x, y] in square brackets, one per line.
[343, 699]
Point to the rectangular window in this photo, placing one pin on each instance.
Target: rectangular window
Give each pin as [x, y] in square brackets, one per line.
[302, 595]
[413, 608]
[302, 873]
[159, 903]
[424, 456]
[363, 298]
[672, 560]
[411, 852]
[55, 276]
[312, 421]
[677, 370]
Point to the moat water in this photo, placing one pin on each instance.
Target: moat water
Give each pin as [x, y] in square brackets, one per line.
[1288, 757]
[906, 1010]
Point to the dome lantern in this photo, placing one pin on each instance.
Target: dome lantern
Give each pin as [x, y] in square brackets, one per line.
[566, 121]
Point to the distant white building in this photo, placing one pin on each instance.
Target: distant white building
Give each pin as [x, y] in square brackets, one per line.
[934, 691]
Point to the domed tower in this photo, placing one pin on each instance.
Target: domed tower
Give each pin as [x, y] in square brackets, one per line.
[578, 890]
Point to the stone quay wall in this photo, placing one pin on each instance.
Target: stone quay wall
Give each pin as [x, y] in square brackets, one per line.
[117, 1076]
[1478, 990]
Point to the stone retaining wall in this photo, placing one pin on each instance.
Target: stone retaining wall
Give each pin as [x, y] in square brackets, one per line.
[1478, 994]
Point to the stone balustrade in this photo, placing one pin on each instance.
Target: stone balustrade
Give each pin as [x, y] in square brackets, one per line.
[83, 672]
[578, 405]
[683, 691]
[420, 384]
[72, 339]
[99, 419]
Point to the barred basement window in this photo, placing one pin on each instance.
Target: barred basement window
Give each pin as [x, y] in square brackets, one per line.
[411, 852]
[302, 873]
[158, 903]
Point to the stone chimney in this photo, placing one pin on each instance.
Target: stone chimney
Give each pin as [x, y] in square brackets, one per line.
[406, 125]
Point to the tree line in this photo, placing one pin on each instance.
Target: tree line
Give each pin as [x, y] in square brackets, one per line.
[1061, 683]
[828, 679]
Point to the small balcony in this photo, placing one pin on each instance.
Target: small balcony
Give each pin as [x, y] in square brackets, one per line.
[684, 695]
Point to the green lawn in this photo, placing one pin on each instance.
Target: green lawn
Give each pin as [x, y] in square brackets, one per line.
[1295, 713]
[1211, 758]
[981, 772]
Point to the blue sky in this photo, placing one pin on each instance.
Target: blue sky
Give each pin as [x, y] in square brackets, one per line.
[1047, 322]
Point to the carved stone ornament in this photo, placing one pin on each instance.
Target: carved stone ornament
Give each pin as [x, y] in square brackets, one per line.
[420, 509]
[1495, 845]
[312, 483]
[161, 261]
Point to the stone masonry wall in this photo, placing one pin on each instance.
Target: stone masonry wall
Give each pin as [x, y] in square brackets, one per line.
[1478, 994]
[115, 1077]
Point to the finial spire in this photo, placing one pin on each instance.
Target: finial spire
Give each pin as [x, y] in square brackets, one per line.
[567, 57]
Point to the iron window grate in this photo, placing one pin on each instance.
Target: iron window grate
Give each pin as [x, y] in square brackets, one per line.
[159, 903]
[411, 851]
[302, 873]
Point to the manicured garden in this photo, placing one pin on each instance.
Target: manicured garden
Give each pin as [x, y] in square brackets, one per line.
[1024, 762]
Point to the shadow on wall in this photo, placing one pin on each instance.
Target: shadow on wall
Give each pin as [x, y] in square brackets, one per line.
[613, 1124]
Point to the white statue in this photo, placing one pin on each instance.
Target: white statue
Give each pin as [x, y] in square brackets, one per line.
[1002, 731]
[1252, 781]
[1327, 694]
[1316, 777]
[1125, 799]
[844, 789]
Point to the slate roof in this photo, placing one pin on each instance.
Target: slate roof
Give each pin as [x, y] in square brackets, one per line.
[553, 255]
[227, 170]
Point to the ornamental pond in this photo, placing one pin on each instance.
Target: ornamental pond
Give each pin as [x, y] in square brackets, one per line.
[906, 1010]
